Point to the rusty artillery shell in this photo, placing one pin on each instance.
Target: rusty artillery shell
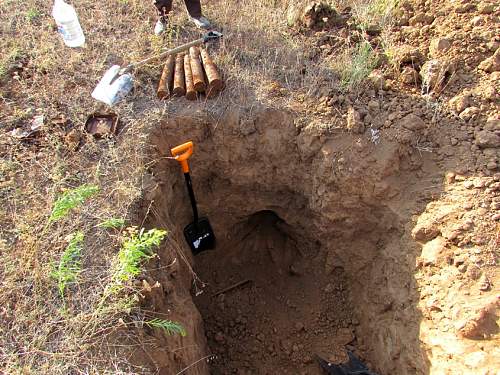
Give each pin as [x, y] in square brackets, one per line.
[190, 91]
[165, 85]
[179, 84]
[213, 76]
[197, 69]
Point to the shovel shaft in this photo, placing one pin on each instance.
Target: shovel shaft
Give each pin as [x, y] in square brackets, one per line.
[173, 51]
[189, 185]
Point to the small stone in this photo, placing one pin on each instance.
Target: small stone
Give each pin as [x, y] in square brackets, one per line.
[492, 165]
[450, 177]
[477, 21]
[438, 46]
[484, 283]
[373, 29]
[411, 122]
[462, 268]
[425, 231]
[408, 55]
[373, 105]
[376, 78]
[496, 217]
[468, 184]
[421, 19]
[491, 64]
[459, 259]
[468, 205]
[490, 93]
[460, 102]
[469, 113]
[474, 272]
[435, 74]
[492, 124]
[486, 139]
[354, 122]
[479, 183]
[432, 250]
[409, 76]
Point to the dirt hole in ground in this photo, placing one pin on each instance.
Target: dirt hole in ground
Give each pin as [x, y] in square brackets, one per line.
[310, 257]
[267, 304]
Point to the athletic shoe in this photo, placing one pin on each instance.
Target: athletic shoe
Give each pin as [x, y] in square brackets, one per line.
[161, 25]
[201, 22]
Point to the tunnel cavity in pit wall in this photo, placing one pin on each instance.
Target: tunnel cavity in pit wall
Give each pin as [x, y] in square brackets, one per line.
[308, 260]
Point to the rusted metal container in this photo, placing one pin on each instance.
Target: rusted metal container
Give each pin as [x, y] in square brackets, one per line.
[214, 79]
[179, 83]
[197, 69]
[190, 91]
[165, 85]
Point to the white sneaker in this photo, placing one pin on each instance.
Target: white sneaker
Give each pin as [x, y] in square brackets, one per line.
[201, 22]
[160, 26]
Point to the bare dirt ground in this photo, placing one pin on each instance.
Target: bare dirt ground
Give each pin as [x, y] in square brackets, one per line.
[350, 170]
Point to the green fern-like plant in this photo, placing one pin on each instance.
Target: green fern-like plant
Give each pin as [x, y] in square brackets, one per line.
[71, 199]
[136, 249]
[170, 327]
[69, 266]
[112, 223]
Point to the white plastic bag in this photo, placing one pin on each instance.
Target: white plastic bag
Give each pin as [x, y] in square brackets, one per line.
[111, 93]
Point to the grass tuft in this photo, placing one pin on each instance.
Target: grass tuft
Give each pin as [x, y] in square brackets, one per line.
[71, 199]
[69, 265]
[374, 12]
[361, 63]
[32, 14]
[170, 327]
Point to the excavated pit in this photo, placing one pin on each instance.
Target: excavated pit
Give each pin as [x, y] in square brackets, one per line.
[313, 248]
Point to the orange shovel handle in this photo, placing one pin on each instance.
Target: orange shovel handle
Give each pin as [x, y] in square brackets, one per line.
[182, 153]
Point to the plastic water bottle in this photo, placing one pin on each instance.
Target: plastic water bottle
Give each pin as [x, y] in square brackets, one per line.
[68, 24]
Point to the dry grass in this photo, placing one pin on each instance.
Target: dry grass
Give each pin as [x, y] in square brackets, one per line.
[44, 330]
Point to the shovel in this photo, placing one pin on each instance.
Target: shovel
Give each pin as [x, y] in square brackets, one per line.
[117, 82]
[199, 234]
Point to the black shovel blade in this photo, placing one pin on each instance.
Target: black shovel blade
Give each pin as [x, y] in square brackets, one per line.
[200, 236]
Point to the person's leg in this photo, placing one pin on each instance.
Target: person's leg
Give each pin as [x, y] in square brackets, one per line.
[164, 7]
[193, 8]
